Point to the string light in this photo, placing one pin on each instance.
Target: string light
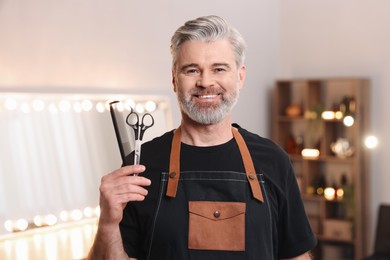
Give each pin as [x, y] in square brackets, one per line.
[51, 219]
[86, 105]
[100, 107]
[139, 108]
[38, 221]
[67, 105]
[76, 215]
[21, 224]
[9, 225]
[38, 105]
[150, 106]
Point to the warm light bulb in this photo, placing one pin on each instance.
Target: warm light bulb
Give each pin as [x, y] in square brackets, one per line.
[139, 108]
[64, 215]
[38, 221]
[340, 193]
[310, 153]
[50, 220]
[371, 142]
[76, 215]
[9, 225]
[119, 106]
[97, 211]
[329, 193]
[100, 107]
[348, 121]
[129, 104]
[150, 106]
[21, 224]
[88, 212]
[38, 105]
[338, 115]
[86, 105]
[328, 115]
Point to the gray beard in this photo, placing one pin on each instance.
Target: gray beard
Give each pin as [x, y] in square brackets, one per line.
[212, 114]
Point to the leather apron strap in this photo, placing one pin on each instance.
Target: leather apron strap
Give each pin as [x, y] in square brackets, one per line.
[174, 165]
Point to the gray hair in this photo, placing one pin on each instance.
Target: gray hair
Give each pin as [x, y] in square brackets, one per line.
[209, 29]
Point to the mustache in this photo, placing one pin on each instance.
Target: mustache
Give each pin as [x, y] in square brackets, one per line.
[205, 92]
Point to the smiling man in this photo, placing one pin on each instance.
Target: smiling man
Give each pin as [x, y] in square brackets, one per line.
[208, 189]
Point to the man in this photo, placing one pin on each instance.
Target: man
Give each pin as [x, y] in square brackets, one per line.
[207, 190]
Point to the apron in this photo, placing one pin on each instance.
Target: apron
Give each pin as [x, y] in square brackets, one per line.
[211, 215]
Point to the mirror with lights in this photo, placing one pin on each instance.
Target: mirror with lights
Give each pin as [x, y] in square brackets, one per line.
[54, 150]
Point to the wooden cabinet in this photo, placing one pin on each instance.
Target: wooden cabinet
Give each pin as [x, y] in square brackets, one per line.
[321, 123]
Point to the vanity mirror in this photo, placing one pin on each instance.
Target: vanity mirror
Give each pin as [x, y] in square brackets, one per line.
[55, 148]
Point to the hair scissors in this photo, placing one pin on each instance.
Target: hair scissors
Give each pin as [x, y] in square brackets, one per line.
[139, 127]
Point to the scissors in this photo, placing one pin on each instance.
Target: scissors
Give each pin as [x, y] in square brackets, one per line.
[139, 128]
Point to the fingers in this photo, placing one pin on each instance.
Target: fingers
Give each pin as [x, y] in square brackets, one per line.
[127, 170]
[123, 182]
[118, 188]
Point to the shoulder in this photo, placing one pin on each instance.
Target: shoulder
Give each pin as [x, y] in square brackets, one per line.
[269, 158]
[261, 147]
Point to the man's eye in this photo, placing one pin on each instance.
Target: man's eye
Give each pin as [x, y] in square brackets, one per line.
[191, 71]
[220, 69]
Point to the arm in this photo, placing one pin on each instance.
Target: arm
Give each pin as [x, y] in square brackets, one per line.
[116, 190]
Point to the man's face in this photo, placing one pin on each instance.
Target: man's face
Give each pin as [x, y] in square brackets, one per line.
[206, 80]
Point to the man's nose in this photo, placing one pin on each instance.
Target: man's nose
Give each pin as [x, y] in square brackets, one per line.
[205, 80]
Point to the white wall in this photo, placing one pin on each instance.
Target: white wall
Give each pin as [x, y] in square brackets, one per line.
[124, 44]
[344, 38]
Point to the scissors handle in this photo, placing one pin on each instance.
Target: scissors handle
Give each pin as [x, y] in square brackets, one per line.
[132, 120]
[146, 122]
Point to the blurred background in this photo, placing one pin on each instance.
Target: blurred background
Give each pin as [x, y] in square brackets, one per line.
[101, 50]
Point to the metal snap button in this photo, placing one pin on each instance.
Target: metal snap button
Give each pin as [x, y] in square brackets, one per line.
[217, 214]
[252, 176]
[172, 175]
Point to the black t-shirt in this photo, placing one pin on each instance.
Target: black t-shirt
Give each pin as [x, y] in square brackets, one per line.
[291, 232]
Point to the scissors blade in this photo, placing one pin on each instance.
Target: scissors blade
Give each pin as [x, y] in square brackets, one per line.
[137, 152]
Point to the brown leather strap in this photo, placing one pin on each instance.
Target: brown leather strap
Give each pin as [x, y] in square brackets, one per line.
[174, 165]
[249, 167]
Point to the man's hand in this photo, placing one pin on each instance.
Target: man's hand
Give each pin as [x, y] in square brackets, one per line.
[117, 189]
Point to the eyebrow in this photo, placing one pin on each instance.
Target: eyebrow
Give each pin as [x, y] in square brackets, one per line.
[195, 65]
[191, 65]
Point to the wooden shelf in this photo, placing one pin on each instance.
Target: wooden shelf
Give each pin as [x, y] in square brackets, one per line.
[306, 128]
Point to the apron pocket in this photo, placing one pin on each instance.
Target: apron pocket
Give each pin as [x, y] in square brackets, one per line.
[216, 225]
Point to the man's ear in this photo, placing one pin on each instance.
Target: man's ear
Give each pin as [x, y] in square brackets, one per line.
[241, 75]
[173, 80]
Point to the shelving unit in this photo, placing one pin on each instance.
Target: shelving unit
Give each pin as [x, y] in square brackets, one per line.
[339, 221]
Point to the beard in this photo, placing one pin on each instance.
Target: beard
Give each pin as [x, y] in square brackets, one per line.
[207, 114]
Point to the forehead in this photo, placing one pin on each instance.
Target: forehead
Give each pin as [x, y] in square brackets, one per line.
[202, 52]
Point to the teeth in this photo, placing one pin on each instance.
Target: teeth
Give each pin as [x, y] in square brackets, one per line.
[208, 96]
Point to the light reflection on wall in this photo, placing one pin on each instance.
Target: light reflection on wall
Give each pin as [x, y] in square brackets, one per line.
[61, 242]
[33, 184]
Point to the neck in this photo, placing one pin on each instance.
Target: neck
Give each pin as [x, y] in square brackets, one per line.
[206, 135]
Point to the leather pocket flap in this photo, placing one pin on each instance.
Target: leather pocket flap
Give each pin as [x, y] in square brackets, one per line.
[215, 210]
